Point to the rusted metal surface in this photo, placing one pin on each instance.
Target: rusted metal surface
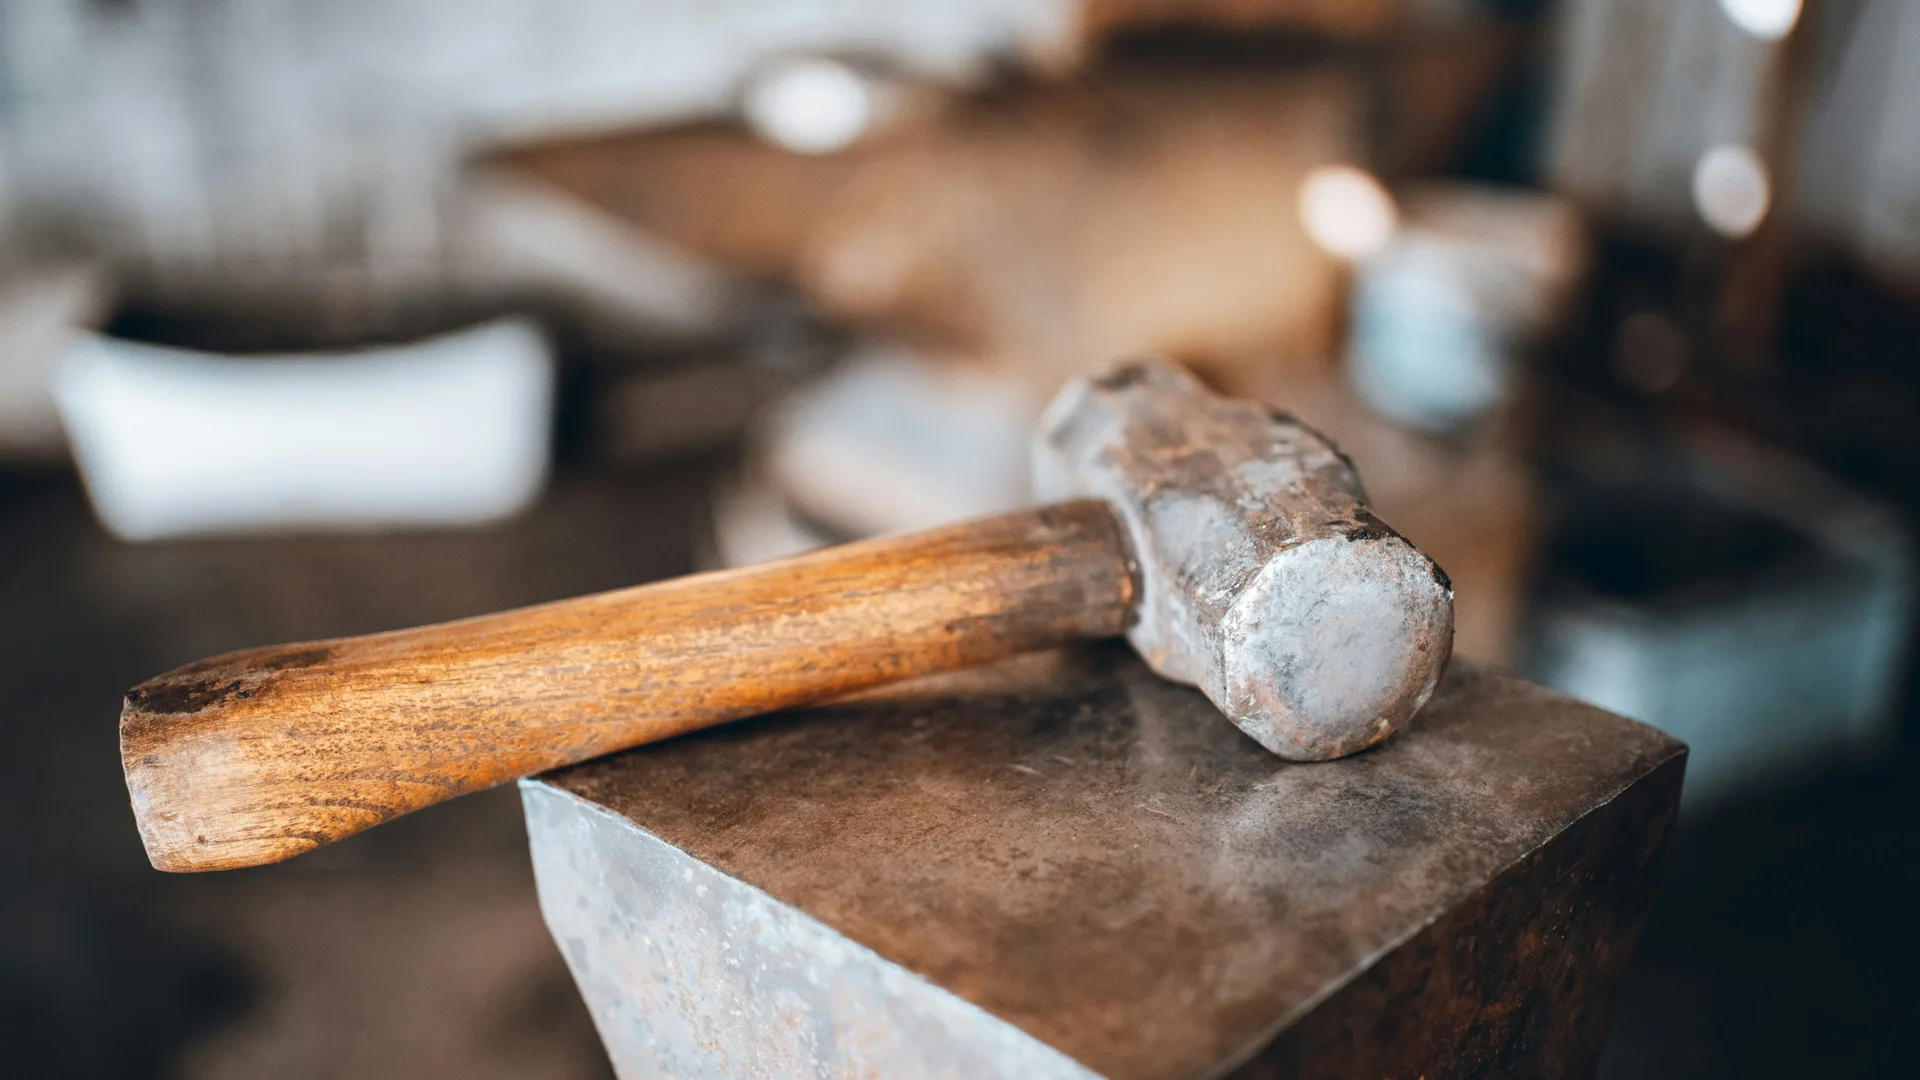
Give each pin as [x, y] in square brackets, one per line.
[1264, 579]
[1066, 859]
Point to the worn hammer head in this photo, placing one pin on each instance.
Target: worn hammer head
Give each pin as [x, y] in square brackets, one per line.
[1264, 579]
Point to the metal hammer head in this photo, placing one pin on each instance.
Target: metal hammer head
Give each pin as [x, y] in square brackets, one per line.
[1264, 579]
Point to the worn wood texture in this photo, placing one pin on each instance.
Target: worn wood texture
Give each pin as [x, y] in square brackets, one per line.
[259, 755]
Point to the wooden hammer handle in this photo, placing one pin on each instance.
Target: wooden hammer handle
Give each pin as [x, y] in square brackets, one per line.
[259, 755]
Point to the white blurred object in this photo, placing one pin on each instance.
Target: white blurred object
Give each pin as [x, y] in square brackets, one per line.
[1472, 277]
[1346, 211]
[1768, 20]
[453, 430]
[891, 441]
[1730, 190]
[811, 105]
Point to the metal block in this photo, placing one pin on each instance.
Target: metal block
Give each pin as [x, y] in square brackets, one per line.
[1065, 866]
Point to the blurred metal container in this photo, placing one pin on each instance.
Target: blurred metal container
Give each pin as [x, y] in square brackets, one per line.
[1473, 277]
[1737, 599]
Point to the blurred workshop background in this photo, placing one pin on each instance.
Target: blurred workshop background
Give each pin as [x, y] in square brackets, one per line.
[321, 317]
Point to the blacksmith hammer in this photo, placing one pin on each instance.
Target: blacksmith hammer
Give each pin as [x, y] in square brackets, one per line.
[1231, 544]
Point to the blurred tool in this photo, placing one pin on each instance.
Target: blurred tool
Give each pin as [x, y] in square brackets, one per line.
[1474, 279]
[449, 431]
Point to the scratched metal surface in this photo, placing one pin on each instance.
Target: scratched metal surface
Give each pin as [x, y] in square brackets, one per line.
[692, 975]
[1094, 855]
[1264, 579]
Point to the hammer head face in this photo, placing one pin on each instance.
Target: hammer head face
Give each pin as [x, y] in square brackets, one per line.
[1264, 579]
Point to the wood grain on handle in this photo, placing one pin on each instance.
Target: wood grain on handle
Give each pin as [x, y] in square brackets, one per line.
[259, 755]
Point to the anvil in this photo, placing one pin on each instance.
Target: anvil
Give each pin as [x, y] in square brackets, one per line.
[1063, 866]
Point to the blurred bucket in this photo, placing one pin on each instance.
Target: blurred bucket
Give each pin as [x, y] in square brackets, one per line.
[453, 430]
[1472, 278]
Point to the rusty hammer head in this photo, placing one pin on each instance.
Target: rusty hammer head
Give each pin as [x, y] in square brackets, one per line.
[1264, 579]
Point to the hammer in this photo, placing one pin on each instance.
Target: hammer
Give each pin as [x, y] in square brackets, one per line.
[1231, 543]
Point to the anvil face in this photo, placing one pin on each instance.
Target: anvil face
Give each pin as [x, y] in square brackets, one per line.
[1066, 866]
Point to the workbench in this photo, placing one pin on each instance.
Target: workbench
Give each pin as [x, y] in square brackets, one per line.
[1064, 866]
